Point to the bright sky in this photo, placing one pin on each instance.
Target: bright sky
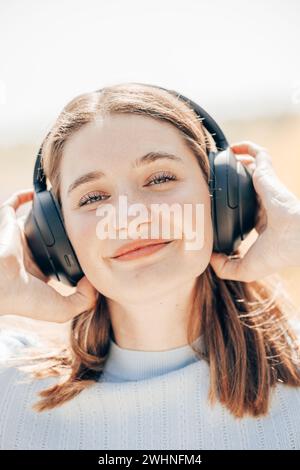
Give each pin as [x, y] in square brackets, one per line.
[237, 58]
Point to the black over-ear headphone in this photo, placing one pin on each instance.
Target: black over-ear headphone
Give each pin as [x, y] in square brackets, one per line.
[233, 208]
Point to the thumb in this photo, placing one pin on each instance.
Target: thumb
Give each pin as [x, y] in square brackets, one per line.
[46, 303]
[228, 267]
[83, 299]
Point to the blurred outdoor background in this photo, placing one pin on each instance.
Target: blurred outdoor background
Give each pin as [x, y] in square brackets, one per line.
[238, 59]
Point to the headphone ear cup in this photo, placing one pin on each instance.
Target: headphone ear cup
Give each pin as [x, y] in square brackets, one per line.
[233, 201]
[248, 203]
[47, 238]
[211, 158]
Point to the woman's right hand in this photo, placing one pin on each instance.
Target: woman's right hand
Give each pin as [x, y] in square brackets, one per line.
[23, 287]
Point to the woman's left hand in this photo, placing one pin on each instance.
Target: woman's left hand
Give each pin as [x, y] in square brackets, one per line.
[277, 223]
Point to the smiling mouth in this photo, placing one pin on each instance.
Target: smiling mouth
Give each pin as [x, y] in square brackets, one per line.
[142, 251]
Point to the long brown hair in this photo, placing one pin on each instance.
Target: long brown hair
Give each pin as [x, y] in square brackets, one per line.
[248, 340]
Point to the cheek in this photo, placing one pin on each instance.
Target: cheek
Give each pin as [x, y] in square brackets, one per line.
[198, 232]
[197, 222]
[81, 229]
[197, 251]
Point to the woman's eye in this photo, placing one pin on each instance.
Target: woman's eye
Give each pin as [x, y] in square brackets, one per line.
[90, 199]
[163, 177]
[157, 179]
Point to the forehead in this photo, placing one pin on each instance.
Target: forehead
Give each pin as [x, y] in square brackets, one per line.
[111, 144]
[108, 139]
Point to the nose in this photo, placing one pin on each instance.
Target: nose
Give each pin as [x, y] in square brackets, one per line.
[131, 217]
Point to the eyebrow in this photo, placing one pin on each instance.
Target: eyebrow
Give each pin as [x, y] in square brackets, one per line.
[139, 162]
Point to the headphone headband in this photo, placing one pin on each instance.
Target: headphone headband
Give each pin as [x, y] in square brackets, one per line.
[208, 122]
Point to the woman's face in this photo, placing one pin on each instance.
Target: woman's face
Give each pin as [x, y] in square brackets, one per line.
[111, 148]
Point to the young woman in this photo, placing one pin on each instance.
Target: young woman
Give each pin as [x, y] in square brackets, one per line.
[176, 348]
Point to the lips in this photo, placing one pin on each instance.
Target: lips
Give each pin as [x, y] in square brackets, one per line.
[134, 246]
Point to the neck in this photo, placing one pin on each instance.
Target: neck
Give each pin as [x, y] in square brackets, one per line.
[158, 323]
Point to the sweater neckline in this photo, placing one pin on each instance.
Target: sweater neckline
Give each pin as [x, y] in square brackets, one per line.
[124, 364]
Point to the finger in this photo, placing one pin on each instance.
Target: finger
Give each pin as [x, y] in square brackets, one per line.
[266, 183]
[9, 207]
[18, 198]
[259, 153]
[236, 268]
[261, 218]
[9, 234]
[245, 158]
[247, 161]
[225, 267]
[247, 147]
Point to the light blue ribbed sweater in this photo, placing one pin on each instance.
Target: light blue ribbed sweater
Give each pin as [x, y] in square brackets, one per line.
[144, 400]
